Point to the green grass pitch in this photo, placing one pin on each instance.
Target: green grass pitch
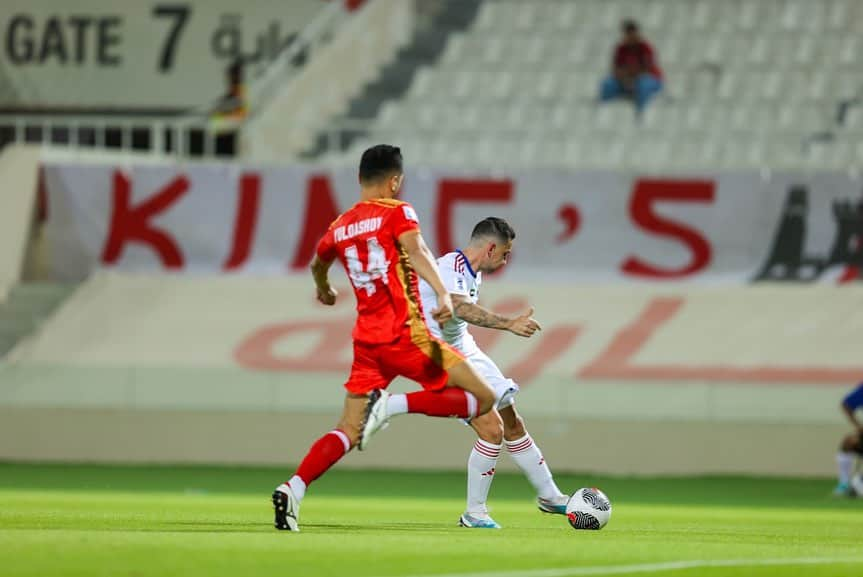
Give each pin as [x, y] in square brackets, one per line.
[71, 520]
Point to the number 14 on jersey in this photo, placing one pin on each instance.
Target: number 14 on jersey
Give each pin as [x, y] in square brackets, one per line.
[363, 276]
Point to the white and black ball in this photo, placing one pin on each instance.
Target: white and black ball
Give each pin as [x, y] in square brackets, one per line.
[588, 508]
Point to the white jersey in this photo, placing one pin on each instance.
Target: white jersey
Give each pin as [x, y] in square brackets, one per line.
[460, 279]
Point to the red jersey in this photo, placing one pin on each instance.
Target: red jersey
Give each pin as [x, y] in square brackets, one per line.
[365, 240]
[638, 57]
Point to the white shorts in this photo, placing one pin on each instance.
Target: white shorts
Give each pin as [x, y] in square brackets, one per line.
[504, 389]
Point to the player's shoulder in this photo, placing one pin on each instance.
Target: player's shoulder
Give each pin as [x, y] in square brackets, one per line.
[448, 257]
[388, 202]
[453, 261]
[356, 211]
[396, 207]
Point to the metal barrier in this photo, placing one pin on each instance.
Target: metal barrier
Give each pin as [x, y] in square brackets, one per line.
[161, 136]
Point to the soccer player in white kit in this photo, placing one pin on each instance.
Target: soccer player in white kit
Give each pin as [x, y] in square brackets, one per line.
[489, 248]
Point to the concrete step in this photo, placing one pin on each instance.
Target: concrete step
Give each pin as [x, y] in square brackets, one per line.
[26, 307]
[447, 17]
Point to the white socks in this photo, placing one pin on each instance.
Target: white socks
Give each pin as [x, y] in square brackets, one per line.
[482, 462]
[397, 404]
[845, 461]
[298, 487]
[528, 457]
[480, 473]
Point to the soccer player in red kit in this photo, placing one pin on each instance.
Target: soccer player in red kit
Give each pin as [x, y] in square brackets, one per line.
[378, 241]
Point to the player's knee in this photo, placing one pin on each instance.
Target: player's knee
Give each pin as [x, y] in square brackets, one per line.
[489, 428]
[492, 434]
[849, 443]
[516, 429]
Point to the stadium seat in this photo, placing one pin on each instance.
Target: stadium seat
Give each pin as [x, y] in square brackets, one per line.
[854, 120]
[566, 16]
[455, 50]
[750, 16]
[827, 155]
[742, 150]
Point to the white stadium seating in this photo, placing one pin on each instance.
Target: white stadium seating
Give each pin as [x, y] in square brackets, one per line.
[748, 84]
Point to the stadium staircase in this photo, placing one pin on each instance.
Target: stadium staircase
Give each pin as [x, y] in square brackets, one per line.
[437, 22]
[26, 307]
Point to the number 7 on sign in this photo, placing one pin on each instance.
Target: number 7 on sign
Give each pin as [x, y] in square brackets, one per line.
[363, 277]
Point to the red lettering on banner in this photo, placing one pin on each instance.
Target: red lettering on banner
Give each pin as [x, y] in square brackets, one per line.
[571, 218]
[258, 351]
[352, 5]
[616, 361]
[849, 274]
[552, 344]
[487, 338]
[648, 192]
[331, 352]
[321, 211]
[247, 220]
[131, 223]
[454, 191]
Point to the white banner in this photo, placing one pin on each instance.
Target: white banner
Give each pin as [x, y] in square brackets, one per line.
[153, 53]
[768, 354]
[594, 226]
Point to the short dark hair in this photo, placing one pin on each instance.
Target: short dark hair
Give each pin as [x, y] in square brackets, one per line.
[629, 25]
[380, 161]
[493, 226]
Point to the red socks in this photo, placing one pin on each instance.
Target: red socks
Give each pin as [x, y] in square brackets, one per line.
[326, 452]
[450, 402]
[323, 454]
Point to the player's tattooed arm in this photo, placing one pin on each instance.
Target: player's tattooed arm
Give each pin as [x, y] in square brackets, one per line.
[523, 325]
[477, 315]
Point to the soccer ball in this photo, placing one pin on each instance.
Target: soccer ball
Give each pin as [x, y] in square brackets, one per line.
[588, 508]
[857, 484]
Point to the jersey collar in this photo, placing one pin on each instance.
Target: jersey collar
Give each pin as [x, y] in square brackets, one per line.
[466, 262]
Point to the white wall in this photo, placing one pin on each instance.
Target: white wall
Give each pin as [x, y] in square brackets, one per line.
[126, 58]
[623, 379]
[415, 442]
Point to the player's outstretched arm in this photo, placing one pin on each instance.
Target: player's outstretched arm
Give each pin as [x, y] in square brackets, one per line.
[424, 263]
[523, 325]
[320, 272]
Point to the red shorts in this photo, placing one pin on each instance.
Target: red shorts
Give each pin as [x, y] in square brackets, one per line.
[417, 355]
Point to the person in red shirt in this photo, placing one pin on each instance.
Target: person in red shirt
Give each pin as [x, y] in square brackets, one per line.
[635, 72]
[378, 241]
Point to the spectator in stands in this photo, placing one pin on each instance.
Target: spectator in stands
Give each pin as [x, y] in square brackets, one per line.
[229, 111]
[635, 73]
[232, 104]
